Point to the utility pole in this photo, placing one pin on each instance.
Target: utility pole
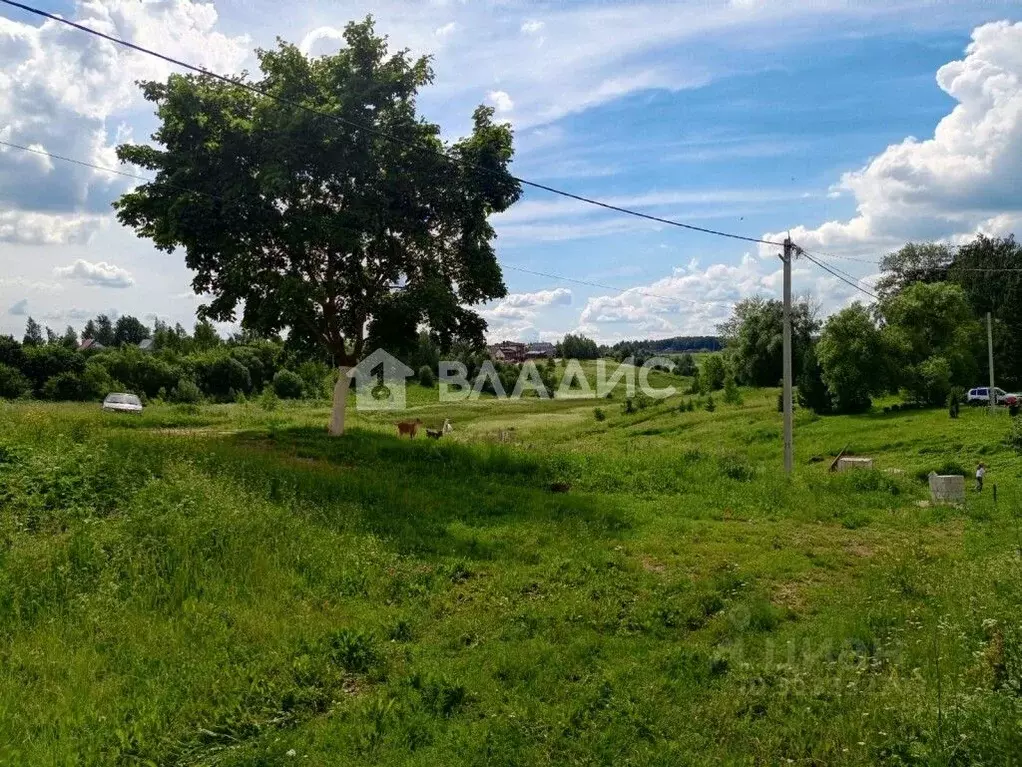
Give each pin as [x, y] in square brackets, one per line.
[990, 361]
[786, 396]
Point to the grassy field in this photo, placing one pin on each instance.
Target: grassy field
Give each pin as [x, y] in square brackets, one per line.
[224, 585]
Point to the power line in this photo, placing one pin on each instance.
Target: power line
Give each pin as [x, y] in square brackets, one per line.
[952, 267]
[840, 277]
[44, 153]
[640, 291]
[859, 280]
[369, 129]
[93, 166]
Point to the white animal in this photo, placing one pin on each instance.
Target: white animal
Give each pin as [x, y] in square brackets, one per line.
[447, 429]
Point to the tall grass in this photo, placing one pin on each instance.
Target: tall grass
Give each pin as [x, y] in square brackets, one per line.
[226, 585]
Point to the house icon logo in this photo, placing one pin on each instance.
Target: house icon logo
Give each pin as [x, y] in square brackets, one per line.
[380, 382]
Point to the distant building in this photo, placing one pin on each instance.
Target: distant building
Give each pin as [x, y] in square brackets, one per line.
[146, 345]
[90, 343]
[508, 351]
[540, 350]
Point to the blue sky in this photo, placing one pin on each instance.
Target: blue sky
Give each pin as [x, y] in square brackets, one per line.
[856, 126]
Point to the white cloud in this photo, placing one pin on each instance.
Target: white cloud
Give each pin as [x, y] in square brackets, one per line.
[61, 91]
[532, 27]
[32, 228]
[501, 101]
[100, 274]
[555, 297]
[516, 315]
[20, 308]
[447, 29]
[962, 180]
[694, 300]
[564, 219]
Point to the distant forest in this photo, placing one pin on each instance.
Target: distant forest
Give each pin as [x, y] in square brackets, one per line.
[648, 347]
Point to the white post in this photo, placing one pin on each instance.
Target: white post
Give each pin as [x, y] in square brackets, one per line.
[340, 401]
[788, 437]
[990, 360]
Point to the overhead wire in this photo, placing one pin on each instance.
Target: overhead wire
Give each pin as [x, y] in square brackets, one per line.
[371, 130]
[549, 275]
[839, 276]
[639, 291]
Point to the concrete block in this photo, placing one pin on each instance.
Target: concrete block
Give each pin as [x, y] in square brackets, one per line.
[848, 462]
[949, 488]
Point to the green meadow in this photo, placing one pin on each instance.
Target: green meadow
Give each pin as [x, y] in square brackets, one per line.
[227, 585]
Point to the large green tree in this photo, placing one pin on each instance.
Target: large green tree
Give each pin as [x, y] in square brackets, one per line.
[984, 269]
[33, 333]
[130, 330]
[852, 358]
[914, 262]
[351, 232]
[932, 339]
[754, 338]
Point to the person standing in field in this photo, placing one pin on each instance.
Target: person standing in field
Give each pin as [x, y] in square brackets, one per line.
[981, 471]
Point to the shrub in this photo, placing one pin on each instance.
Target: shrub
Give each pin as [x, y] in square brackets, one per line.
[599, 414]
[426, 377]
[186, 392]
[696, 386]
[710, 404]
[812, 391]
[221, 376]
[354, 651]
[98, 381]
[288, 385]
[13, 383]
[66, 386]
[713, 373]
[268, 400]
[1015, 434]
[627, 406]
[735, 468]
[732, 396]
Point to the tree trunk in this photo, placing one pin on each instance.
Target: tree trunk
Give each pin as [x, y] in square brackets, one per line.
[340, 401]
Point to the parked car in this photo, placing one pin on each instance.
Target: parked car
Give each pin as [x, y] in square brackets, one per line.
[981, 396]
[122, 403]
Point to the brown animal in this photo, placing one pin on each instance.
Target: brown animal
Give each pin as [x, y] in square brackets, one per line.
[411, 428]
[434, 433]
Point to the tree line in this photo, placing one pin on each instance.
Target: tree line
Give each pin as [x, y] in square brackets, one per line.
[923, 339]
[178, 366]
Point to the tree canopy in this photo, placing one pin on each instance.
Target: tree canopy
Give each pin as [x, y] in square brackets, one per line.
[754, 338]
[343, 231]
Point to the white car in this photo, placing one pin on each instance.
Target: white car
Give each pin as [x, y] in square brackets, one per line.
[981, 396]
[122, 403]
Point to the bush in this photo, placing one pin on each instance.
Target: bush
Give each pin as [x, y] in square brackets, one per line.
[66, 387]
[710, 404]
[732, 396]
[288, 385]
[627, 406]
[713, 373]
[426, 377]
[735, 468]
[599, 414]
[13, 384]
[268, 400]
[1015, 434]
[222, 377]
[186, 392]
